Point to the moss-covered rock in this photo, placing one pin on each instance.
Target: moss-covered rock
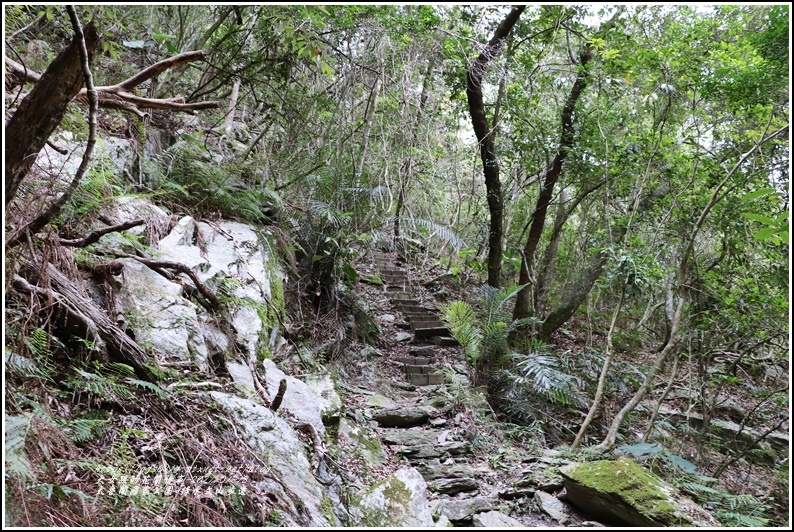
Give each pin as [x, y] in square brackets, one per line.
[622, 492]
[399, 500]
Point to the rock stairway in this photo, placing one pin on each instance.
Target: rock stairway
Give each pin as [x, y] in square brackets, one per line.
[427, 328]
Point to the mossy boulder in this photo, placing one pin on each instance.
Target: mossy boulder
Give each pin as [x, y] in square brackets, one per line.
[399, 500]
[622, 492]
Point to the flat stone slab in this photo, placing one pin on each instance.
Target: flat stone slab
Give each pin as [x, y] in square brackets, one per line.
[451, 486]
[444, 341]
[421, 452]
[464, 509]
[424, 368]
[552, 506]
[435, 472]
[410, 437]
[495, 519]
[423, 352]
[401, 417]
[430, 332]
[425, 379]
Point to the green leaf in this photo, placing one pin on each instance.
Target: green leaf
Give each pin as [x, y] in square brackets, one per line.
[766, 220]
[326, 68]
[765, 234]
[757, 194]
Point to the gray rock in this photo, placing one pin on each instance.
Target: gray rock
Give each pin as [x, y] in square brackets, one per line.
[552, 506]
[276, 442]
[495, 519]
[161, 317]
[463, 509]
[421, 452]
[380, 401]
[401, 417]
[622, 492]
[409, 436]
[298, 399]
[397, 501]
[242, 378]
[402, 336]
[450, 486]
[435, 471]
[323, 390]
[443, 522]
[352, 437]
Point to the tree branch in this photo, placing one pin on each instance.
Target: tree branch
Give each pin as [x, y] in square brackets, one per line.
[94, 236]
[181, 268]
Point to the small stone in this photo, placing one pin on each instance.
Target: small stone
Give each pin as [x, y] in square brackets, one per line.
[438, 422]
[402, 336]
[495, 519]
[387, 318]
[552, 506]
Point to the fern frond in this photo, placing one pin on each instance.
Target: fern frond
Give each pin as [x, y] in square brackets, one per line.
[540, 372]
[23, 366]
[461, 320]
[16, 460]
[727, 518]
[84, 429]
[441, 232]
[146, 385]
[497, 297]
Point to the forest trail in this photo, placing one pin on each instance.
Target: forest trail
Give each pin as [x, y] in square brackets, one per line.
[401, 394]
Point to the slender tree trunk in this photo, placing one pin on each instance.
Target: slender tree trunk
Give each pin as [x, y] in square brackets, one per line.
[526, 275]
[485, 138]
[602, 378]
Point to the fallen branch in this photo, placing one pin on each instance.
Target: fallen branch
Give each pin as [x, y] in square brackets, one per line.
[83, 313]
[181, 268]
[94, 236]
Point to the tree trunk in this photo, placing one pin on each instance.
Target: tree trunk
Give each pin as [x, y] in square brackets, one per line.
[42, 110]
[575, 295]
[524, 297]
[485, 138]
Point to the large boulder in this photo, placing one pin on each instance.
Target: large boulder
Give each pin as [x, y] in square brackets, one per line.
[298, 399]
[276, 442]
[622, 492]
[163, 320]
[399, 500]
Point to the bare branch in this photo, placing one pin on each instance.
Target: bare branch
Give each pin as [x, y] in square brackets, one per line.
[94, 236]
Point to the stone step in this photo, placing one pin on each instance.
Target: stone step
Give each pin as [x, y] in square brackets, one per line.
[420, 369]
[405, 297]
[430, 332]
[420, 316]
[430, 324]
[444, 341]
[424, 379]
[423, 351]
[408, 308]
[416, 360]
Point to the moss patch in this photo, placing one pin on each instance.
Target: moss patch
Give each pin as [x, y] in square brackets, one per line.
[626, 481]
[382, 504]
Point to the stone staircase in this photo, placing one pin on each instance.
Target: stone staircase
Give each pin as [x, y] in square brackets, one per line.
[419, 368]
